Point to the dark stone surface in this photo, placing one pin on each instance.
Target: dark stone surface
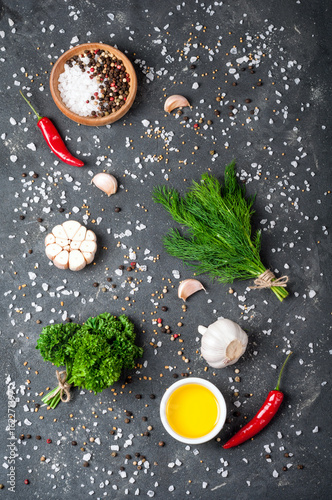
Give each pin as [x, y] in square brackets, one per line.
[293, 210]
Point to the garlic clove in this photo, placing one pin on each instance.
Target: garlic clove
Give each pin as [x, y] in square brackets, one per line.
[90, 236]
[188, 287]
[80, 235]
[71, 227]
[88, 257]
[88, 246]
[52, 250]
[62, 260]
[75, 245]
[175, 101]
[106, 182]
[76, 260]
[62, 241]
[59, 232]
[223, 343]
[49, 239]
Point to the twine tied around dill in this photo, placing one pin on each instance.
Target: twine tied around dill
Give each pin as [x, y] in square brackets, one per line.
[63, 386]
[267, 279]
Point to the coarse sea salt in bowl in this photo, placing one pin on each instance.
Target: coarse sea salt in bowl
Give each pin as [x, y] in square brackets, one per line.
[93, 84]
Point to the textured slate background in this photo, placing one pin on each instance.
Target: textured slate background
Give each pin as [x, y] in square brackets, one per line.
[289, 146]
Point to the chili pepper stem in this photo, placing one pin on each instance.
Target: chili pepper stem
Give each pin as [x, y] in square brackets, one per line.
[282, 369]
[33, 109]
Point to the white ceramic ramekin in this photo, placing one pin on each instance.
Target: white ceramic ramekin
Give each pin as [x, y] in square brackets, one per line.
[222, 410]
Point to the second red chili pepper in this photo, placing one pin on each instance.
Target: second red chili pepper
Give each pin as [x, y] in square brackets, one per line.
[262, 418]
[53, 139]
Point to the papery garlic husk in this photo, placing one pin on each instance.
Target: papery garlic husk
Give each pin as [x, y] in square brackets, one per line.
[188, 287]
[175, 101]
[71, 246]
[223, 343]
[106, 182]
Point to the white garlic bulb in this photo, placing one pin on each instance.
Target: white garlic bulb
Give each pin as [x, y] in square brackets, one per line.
[71, 245]
[223, 343]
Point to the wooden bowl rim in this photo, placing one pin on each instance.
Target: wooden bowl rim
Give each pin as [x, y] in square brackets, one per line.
[58, 68]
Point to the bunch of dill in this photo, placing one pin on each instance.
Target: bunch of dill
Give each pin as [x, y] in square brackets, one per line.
[219, 240]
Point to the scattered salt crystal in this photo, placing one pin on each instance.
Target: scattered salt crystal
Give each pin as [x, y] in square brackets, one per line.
[311, 293]
[275, 473]
[31, 146]
[315, 429]
[13, 158]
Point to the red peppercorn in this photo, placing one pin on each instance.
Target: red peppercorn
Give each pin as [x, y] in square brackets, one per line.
[118, 66]
[196, 125]
[111, 98]
[133, 264]
[48, 441]
[87, 101]
[176, 335]
[26, 481]
[159, 320]
[96, 94]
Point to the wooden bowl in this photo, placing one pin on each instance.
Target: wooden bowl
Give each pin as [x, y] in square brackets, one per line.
[59, 68]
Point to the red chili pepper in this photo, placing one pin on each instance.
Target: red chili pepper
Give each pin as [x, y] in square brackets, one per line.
[53, 139]
[262, 418]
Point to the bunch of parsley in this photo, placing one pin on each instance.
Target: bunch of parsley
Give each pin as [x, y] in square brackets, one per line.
[94, 353]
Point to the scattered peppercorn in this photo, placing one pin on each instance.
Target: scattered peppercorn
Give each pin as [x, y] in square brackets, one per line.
[152, 396]
[38, 438]
[164, 308]
[74, 443]
[138, 396]
[86, 464]
[117, 209]
[48, 441]
[161, 443]
[26, 481]
[95, 284]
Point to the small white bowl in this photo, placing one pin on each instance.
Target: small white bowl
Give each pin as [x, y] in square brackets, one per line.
[215, 392]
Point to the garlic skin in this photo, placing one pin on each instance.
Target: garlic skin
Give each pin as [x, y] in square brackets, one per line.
[106, 182]
[188, 287]
[175, 101]
[223, 343]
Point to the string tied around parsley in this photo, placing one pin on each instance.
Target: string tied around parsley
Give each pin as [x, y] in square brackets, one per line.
[64, 387]
[268, 279]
